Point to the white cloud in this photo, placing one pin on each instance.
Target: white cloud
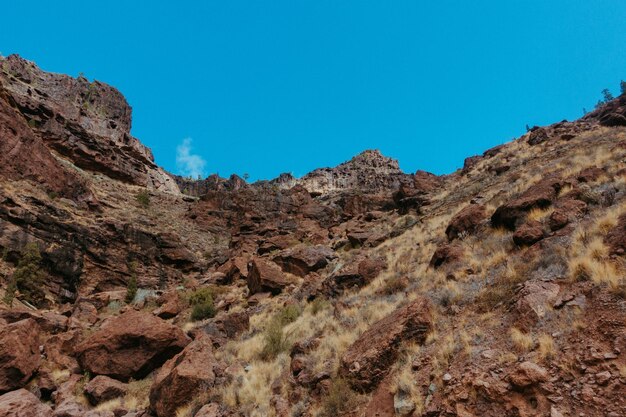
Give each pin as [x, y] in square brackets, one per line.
[189, 164]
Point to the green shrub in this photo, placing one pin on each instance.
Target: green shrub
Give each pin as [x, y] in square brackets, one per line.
[318, 305]
[131, 288]
[143, 198]
[274, 341]
[28, 277]
[201, 301]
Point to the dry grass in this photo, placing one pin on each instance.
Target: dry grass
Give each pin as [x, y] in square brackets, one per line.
[137, 396]
[547, 349]
[523, 342]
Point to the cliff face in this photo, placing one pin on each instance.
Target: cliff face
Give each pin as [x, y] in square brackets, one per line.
[357, 290]
[86, 122]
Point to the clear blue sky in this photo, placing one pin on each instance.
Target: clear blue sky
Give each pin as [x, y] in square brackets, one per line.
[265, 87]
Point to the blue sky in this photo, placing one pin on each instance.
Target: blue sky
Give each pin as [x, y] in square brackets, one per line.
[291, 85]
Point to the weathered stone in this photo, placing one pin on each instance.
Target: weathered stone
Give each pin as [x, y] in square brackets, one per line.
[102, 388]
[19, 353]
[303, 260]
[446, 253]
[370, 357]
[529, 233]
[22, 403]
[265, 276]
[466, 221]
[526, 374]
[184, 377]
[130, 346]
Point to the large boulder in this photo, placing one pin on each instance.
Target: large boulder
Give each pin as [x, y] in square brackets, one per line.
[130, 346]
[369, 358]
[184, 377]
[466, 221]
[264, 276]
[22, 403]
[566, 212]
[512, 214]
[19, 353]
[303, 260]
[445, 254]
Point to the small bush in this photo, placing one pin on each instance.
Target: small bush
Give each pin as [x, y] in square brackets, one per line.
[288, 314]
[28, 277]
[201, 301]
[131, 287]
[394, 285]
[318, 305]
[143, 198]
[340, 399]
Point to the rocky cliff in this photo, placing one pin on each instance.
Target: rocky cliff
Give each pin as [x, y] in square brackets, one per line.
[357, 290]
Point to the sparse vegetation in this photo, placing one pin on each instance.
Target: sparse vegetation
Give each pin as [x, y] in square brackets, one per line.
[202, 305]
[340, 399]
[143, 198]
[523, 342]
[131, 286]
[28, 277]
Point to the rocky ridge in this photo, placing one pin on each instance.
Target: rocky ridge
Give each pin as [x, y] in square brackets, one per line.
[357, 290]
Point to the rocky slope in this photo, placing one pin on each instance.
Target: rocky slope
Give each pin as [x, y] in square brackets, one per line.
[357, 290]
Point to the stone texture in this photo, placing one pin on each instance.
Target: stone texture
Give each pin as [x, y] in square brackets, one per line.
[22, 403]
[369, 358]
[305, 259]
[266, 276]
[102, 388]
[184, 377]
[466, 221]
[130, 346]
[19, 353]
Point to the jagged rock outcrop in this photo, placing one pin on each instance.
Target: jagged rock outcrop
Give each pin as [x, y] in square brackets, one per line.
[87, 122]
[22, 403]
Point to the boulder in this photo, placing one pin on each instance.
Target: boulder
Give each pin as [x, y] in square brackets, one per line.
[303, 260]
[359, 272]
[130, 346]
[184, 377]
[102, 388]
[22, 403]
[264, 276]
[466, 221]
[446, 253]
[368, 360]
[527, 373]
[537, 135]
[528, 233]
[59, 350]
[19, 353]
[48, 321]
[170, 305]
[540, 195]
[565, 212]
[226, 326]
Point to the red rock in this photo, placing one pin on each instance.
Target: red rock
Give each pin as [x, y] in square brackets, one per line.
[265, 276]
[446, 253]
[48, 321]
[369, 358]
[226, 326]
[526, 374]
[130, 346]
[184, 377]
[566, 212]
[540, 195]
[22, 403]
[528, 233]
[19, 354]
[590, 174]
[359, 272]
[102, 388]
[535, 299]
[303, 260]
[59, 350]
[426, 182]
[466, 221]
[171, 305]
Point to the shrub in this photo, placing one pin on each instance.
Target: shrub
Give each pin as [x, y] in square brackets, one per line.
[318, 305]
[131, 288]
[340, 399]
[274, 339]
[201, 301]
[288, 314]
[143, 198]
[28, 277]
